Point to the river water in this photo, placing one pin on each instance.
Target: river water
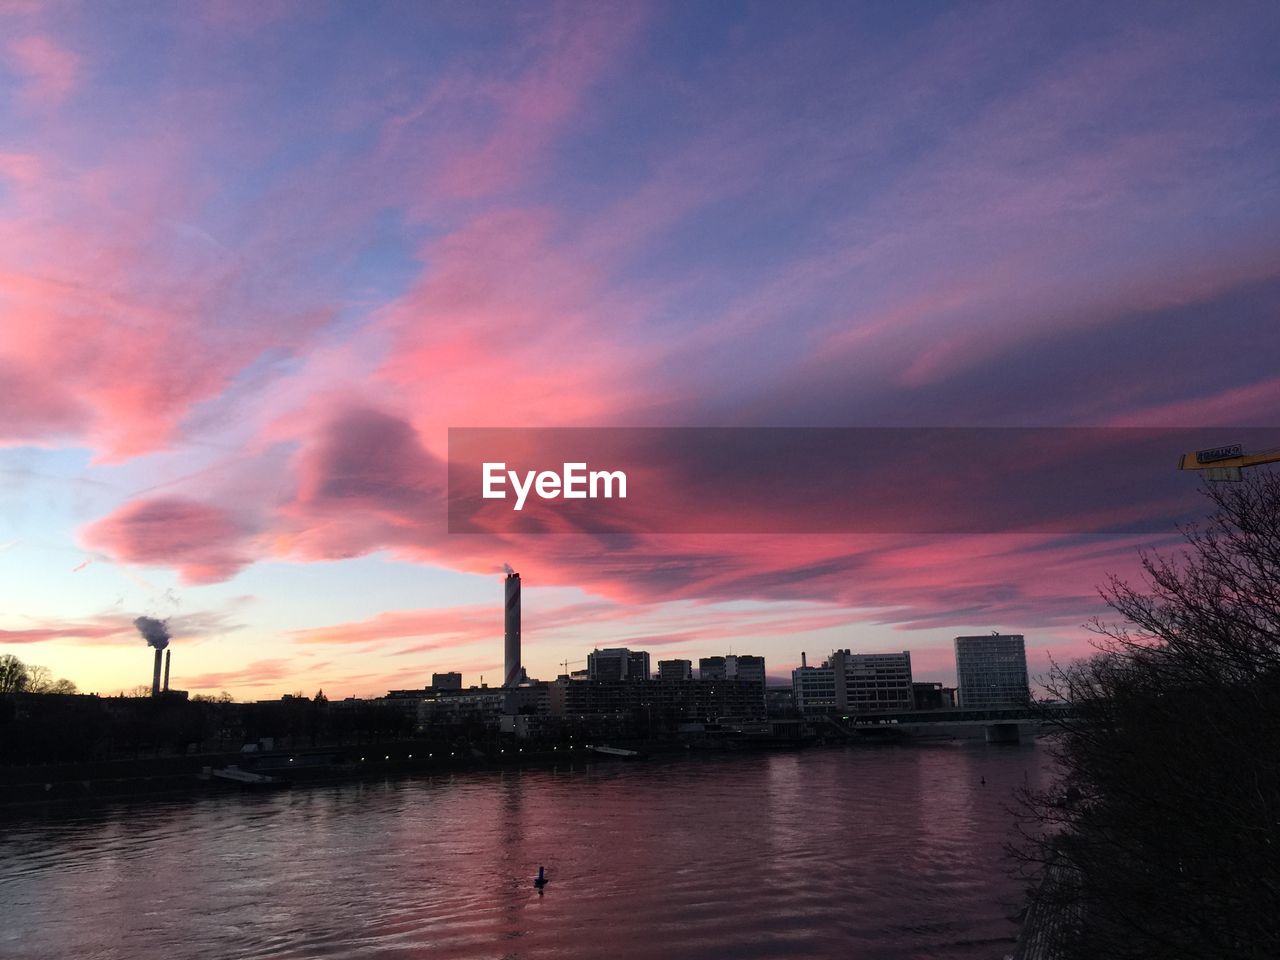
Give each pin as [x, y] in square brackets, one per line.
[889, 852]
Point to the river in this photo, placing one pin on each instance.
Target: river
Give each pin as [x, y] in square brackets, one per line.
[866, 853]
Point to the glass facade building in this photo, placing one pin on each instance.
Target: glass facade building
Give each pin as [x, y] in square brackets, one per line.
[991, 671]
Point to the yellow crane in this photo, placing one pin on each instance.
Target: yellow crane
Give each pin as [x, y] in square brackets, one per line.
[1225, 462]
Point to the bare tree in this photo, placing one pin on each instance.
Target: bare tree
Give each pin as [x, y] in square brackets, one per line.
[1168, 809]
[39, 679]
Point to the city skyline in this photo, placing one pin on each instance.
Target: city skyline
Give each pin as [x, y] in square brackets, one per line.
[255, 266]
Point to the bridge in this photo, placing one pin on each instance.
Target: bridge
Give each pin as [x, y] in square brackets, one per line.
[1004, 725]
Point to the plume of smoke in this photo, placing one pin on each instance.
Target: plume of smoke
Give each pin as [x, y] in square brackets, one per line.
[506, 568]
[155, 632]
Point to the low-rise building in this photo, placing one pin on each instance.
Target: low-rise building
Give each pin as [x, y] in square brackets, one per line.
[814, 689]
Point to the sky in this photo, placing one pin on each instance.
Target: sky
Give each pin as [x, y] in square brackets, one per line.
[257, 258]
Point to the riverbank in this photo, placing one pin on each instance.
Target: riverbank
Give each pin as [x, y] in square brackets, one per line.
[176, 776]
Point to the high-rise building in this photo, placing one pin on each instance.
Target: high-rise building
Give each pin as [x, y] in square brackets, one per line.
[871, 682]
[991, 671]
[618, 663]
[675, 670]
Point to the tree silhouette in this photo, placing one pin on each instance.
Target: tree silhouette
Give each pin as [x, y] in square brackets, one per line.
[13, 674]
[1163, 833]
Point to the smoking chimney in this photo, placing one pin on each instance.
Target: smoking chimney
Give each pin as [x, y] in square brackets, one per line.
[512, 644]
[156, 633]
[168, 655]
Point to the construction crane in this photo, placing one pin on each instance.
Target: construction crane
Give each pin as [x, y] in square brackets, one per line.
[1226, 462]
[566, 664]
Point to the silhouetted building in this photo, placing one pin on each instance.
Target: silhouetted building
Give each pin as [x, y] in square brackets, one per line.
[446, 681]
[991, 671]
[745, 667]
[658, 705]
[713, 668]
[473, 705]
[528, 698]
[930, 696]
[780, 702]
[618, 663]
[733, 667]
[675, 670]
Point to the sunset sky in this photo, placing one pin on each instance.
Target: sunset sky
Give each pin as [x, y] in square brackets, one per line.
[257, 258]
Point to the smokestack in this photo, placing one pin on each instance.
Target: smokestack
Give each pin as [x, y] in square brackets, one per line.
[512, 636]
[156, 633]
[804, 660]
[168, 655]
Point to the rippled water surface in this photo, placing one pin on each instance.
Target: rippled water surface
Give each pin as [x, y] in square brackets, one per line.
[826, 853]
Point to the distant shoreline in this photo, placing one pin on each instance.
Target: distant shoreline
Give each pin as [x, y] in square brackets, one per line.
[73, 784]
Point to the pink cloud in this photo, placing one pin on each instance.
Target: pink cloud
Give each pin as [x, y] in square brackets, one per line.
[48, 69]
[84, 632]
[115, 629]
[494, 120]
[454, 626]
[119, 320]
[1232, 405]
[254, 676]
[204, 543]
[508, 327]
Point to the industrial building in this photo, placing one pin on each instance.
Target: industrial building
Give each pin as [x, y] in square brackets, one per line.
[854, 683]
[871, 682]
[813, 688]
[991, 671]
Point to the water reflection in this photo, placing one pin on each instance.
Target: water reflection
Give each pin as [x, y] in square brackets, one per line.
[870, 853]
